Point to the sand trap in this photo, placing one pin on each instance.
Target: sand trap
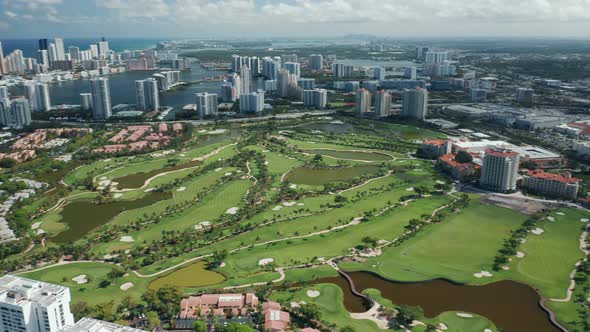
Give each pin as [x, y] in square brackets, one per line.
[222, 264]
[149, 190]
[217, 131]
[36, 225]
[81, 279]
[519, 254]
[410, 189]
[538, 231]
[440, 182]
[109, 256]
[181, 189]
[228, 174]
[300, 204]
[40, 231]
[232, 210]
[202, 224]
[482, 274]
[265, 151]
[584, 219]
[523, 241]
[294, 305]
[505, 268]
[560, 213]
[127, 238]
[126, 286]
[107, 160]
[117, 195]
[488, 330]
[550, 218]
[321, 259]
[293, 186]
[313, 293]
[443, 326]
[218, 169]
[464, 315]
[265, 261]
[202, 131]
[266, 163]
[289, 203]
[277, 208]
[103, 178]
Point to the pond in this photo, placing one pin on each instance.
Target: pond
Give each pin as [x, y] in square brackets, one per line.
[511, 306]
[321, 176]
[81, 217]
[194, 275]
[137, 180]
[352, 155]
[330, 127]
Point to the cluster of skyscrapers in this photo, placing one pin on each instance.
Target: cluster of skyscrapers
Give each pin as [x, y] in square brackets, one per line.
[14, 113]
[414, 103]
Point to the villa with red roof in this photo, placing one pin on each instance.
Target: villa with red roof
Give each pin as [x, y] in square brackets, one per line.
[275, 320]
[457, 170]
[550, 184]
[435, 147]
[204, 305]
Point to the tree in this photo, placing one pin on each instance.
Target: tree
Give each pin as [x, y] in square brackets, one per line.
[235, 327]
[200, 326]
[7, 163]
[463, 157]
[347, 329]
[310, 310]
[153, 319]
[421, 190]
[529, 164]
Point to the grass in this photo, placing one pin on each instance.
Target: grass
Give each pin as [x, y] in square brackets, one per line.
[331, 306]
[90, 292]
[457, 248]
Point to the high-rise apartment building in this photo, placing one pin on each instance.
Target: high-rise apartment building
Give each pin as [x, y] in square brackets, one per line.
[245, 80]
[306, 83]
[38, 96]
[86, 101]
[499, 170]
[316, 98]
[415, 103]
[147, 94]
[33, 306]
[294, 68]
[60, 51]
[316, 62]
[2, 67]
[363, 101]
[252, 102]
[101, 98]
[206, 104]
[382, 103]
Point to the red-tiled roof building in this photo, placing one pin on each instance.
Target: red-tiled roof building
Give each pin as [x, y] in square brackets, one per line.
[549, 184]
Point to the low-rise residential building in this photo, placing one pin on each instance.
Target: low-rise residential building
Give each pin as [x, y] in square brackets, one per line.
[275, 320]
[434, 148]
[458, 171]
[204, 305]
[550, 184]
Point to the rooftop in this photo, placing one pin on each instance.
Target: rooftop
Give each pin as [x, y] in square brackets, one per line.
[94, 325]
[20, 291]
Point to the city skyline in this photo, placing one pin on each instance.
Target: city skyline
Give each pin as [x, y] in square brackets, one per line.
[205, 18]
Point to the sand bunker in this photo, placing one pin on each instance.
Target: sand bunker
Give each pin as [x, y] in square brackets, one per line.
[313, 293]
[482, 274]
[538, 231]
[117, 195]
[126, 286]
[464, 315]
[81, 279]
[410, 189]
[227, 174]
[202, 225]
[232, 210]
[560, 213]
[519, 254]
[149, 190]
[217, 131]
[266, 163]
[265, 261]
[277, 208]
[293, 186]
[127, 238]
[36, 225]
[550, 218]
[218, 169]
[443, 326]
[289, 203]
[300, 204]
[181, 189]
[584, 219]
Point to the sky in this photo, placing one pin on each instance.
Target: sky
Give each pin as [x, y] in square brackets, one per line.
[292, 18]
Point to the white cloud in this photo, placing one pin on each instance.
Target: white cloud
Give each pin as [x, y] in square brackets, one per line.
[348, 11]
[10, 14]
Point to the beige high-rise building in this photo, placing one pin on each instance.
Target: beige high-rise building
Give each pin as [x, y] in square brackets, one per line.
[363, 101]
[500, 170]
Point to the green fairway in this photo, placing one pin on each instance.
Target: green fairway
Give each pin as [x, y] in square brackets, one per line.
[194, 275]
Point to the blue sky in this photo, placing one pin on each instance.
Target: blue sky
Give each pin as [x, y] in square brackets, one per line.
[269, 18]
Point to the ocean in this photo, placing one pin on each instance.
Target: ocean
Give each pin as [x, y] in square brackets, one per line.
[30, 46]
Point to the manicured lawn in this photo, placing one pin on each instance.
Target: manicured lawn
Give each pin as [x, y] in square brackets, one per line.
[457, 248]
[331, 306]
[91, 292]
